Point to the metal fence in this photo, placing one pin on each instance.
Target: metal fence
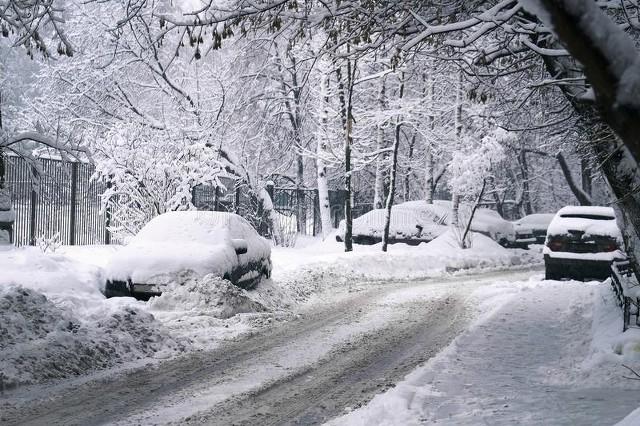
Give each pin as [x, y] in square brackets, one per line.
[55, 198]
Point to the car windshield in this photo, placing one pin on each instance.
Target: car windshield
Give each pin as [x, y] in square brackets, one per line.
[587, 216]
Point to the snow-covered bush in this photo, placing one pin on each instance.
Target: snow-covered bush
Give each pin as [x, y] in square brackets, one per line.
[146, 177]
[50, 244]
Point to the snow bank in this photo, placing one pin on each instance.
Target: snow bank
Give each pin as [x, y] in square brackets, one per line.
[299, 273]
[210, 295]
[55, 323]
[537, 352]
[610, 347]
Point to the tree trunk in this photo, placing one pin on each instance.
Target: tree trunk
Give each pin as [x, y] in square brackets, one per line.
[602, 65]
[392, 187]
[429, 180]
[587, 180]
[582, 27]
[381, 159]
[407, 177]
[323, 187]
[428, 173]
[455, 209]
[301, 211]
[524, 168]
[467, 228]
[582, 197]
[394, 174]
[345, 113]
[455, 196]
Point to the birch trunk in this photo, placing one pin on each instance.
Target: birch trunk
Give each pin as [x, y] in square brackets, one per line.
[455, 210]
[381, 159]
[394, 174]
[455, 196]
[428, 173]
[407, 176]
[323, 187]
[345, 114]
[392, 187]
[429, 165]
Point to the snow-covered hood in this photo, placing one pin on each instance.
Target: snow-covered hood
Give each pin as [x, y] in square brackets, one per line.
[533, 222]
[497, 227]
[162, 263]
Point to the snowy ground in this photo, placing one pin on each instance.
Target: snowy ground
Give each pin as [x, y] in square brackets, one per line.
[539, 353]
[306, 370]
[55, 323]
[534, 352]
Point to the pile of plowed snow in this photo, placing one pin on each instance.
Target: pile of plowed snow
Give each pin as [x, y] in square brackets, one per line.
[301, 273]
[207, 310]
[210, 295]
[54, 322]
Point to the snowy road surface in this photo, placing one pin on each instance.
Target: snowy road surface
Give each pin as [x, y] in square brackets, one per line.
[333, 356]
[336, 356]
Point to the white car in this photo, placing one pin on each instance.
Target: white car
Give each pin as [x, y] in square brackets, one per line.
[406, 226]
[177, 246]
[485, 221]
[582, 242]
[532, 229]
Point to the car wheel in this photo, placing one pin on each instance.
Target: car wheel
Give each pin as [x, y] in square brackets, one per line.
[265, 273]
[551, 274]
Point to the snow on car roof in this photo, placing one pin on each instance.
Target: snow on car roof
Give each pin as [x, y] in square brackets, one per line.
[542, 219]
[606, 212]
[587, 220]
[403, 223]
[485, 219]
[194, 226]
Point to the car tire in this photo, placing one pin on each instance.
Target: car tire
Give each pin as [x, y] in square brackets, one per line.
[266, 273]
[552, 274]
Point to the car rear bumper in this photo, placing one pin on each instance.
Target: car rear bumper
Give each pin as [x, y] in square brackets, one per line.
[579, 269]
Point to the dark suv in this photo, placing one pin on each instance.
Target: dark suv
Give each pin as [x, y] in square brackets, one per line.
[581, 243]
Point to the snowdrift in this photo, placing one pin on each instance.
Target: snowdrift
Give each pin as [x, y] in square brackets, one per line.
[55, 323]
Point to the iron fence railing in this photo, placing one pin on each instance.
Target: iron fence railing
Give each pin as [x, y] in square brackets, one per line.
[52, 198]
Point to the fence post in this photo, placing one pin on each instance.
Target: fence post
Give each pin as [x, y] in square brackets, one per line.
[74, 190]
[193, 197]
[107, 222]
[34, 206]
[236, 199]
[316, 207]
[270, 189]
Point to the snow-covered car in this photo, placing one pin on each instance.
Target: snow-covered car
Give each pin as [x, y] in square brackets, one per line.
[485, 221]
[407, 226]
[581, 243]
[532, 229]
[177, 246]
